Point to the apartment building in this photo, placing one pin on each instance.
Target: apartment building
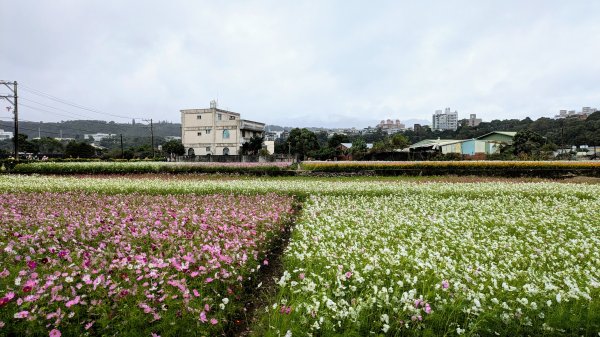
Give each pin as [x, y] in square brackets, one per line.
[215, 131]
[446, 120]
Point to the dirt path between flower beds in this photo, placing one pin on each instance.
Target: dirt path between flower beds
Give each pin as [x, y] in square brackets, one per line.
[257, 298]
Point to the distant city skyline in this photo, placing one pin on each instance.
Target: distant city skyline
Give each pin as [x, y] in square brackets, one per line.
[307, 64]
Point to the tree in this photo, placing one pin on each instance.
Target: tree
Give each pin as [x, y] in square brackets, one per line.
[25, 145]
[47, 145]
[253, 146]
[358, 149]
[337, 139]
[302, 141]
[527, 143]
[174, 146]
[79, 150]
[399, 141]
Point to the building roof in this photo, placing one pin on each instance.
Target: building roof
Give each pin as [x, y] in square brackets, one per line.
[434, 143]
[504, 133]
[349, 145]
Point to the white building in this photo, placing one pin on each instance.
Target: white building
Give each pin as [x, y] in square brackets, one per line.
[5, 135]
[215, 131]
[98, 136]
[585, 111]
[446, 120]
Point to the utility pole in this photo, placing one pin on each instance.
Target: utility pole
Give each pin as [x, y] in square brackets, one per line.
[151, 136]
[16, 112]
[122, 152]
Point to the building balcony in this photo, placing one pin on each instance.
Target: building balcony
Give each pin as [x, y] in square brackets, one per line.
[251, 126]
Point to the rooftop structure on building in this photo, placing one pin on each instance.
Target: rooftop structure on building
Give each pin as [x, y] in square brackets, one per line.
[215, 131]
[445, 120]
[473, 120]
[390, 127]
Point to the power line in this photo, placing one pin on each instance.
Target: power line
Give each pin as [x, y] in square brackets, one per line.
[49, 106]
[120, 128]
[66, 102]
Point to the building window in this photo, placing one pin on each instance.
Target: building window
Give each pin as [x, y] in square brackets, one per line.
[199, 133]
[208, 149]
[219, 116]
[207, 131]
[199, 117]
[190, 152]
[243, 133]
[225, 151]
[231, 118]
[225, 134]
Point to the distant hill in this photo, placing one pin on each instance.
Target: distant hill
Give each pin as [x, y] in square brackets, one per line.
[77, 128]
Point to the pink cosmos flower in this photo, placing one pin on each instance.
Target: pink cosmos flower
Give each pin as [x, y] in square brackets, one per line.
[266, 262]
[55, 333]
[4, 273]
[427, 308]
[348, 274]
[22, 314]
[213, 321]
[89, 325]
[445, 284]
[32, 265]
[196, 293]
[417, 303]
[301, 276]
[1, 324]
[208, 280]
[203, 317]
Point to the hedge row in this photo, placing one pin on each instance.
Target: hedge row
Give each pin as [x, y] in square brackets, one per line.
[545, 169]
[66, 168]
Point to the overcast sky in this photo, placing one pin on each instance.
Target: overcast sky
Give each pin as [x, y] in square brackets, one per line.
[301, 63]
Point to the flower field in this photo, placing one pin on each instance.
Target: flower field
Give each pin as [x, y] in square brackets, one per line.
[78, 263]
[157, 256]
[431, 264]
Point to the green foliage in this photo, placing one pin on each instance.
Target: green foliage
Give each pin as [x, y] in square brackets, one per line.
[358, 149]
[337, 139]
[76, 149]
[253, 146]
[528, 144]
[47, 145]
[174, 147]
[302, 142]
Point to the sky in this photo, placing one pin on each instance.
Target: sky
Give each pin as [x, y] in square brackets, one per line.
[300, 63]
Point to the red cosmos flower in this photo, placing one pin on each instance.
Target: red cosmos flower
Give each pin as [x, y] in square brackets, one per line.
[27, 289]
[3, 301]
[32, 265]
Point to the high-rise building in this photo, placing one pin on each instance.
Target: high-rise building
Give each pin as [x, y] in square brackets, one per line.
[446, 120]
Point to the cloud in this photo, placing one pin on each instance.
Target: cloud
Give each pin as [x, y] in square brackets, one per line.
[306, 63]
